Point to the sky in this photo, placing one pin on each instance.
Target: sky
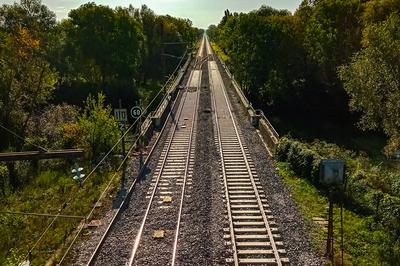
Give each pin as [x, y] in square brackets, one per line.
[201, 12]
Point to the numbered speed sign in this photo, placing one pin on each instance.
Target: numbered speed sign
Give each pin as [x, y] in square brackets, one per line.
[136, 112]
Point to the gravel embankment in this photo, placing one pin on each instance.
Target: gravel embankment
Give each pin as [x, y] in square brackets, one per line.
[293, 228]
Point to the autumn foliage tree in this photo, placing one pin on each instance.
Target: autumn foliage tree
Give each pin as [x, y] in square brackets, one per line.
[26, 78]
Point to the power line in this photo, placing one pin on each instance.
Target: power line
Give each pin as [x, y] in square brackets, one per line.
[23, 139]
[64, 205]
[118, 169]
[42, 214]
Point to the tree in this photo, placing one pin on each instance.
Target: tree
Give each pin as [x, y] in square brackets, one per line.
[372, 80]
[265, 51]
[29, 14]
[118, 39]
[333, 34]
[377, 11]
[99, 128]
[26, 79]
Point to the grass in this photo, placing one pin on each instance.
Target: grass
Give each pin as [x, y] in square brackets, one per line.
[219, 52]
[363, 242]
[45, 193]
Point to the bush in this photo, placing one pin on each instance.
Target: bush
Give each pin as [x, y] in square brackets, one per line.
[303, 161]
[282, 150]
[46, 129]
[100, 130]
[371, 189]
[3, 179]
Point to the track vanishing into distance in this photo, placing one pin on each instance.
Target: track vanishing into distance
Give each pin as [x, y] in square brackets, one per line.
[252, 230]
[168, 186]
[251, 235]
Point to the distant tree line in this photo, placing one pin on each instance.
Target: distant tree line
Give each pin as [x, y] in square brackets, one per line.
[328, 55]
[96, 49]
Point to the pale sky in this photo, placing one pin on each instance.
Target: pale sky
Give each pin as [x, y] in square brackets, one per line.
[201, 12]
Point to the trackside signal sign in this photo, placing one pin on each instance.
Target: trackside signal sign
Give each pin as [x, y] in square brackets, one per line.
[121, 115]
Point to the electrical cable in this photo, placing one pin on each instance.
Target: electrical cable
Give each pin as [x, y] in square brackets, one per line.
[64, 205]
[107, 187]
[23, 139]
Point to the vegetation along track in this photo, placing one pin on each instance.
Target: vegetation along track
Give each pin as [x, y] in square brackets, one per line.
[166, 194]
[252, 231]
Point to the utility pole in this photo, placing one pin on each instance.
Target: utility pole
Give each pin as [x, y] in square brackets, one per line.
[139, 115]
[332, 175]
[329, 242]
[122, 128]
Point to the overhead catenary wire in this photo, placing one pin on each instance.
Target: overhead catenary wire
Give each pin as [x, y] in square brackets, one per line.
[42, 214]
[135, 122]
[97, 202]
[65, 204]
[110, 182]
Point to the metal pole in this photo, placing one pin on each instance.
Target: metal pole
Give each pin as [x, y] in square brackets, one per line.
[341, 229]
[329, 243]
[140, 139]
[122, 128]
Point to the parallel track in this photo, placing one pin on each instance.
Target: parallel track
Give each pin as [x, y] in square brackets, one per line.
[174, 167]
[96, 252]
[252, 231]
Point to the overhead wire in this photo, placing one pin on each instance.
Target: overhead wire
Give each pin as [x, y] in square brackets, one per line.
[23, 139]
[65, 204]
[113, 177]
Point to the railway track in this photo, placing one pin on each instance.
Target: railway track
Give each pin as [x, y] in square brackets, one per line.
[167, 191]
[252, 231]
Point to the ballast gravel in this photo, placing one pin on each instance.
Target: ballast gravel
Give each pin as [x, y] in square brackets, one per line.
[293, 228]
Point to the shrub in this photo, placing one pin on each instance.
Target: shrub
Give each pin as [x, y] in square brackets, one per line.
[3, 179]
[46, 129]
[98, 125]
[395, 179]
[283, 149]
[303, 161]
[371, 189]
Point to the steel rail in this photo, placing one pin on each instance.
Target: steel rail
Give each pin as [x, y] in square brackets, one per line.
[194, 120]
[260, 204]
[233, 242]
[258, 198]
[145, 164]
[142, 225]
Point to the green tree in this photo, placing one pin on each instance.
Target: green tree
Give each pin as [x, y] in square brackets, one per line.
[372, 80]
[377, 11]
[99, 128]
[118, 39]
[333, 34]
[265, 51]
[26, 79]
